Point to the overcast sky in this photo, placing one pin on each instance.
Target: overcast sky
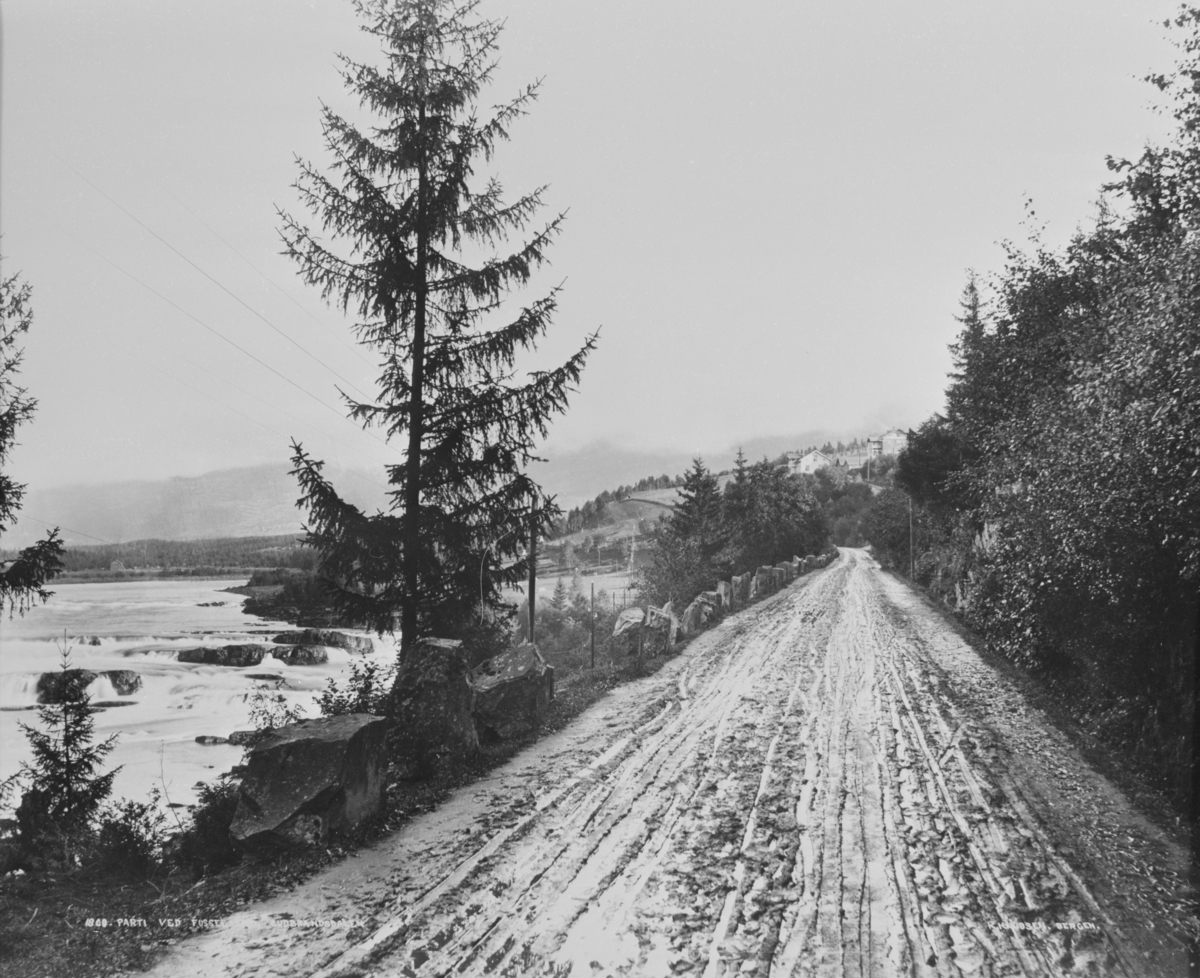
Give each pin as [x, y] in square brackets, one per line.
[773, 205]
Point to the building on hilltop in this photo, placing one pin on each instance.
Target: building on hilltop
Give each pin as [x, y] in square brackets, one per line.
[893, 440]
[889, 443]
[808, 462]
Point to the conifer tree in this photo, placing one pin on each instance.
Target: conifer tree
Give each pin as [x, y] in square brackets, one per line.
[697, 516]
[402, 200]
[23, 580]
[64, 785]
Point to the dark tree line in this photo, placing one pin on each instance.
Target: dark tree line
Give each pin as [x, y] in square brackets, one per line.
[763, 516]
[1058, 497]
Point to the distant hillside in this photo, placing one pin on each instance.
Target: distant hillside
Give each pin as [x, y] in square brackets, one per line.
[261, 500]
[255, 501]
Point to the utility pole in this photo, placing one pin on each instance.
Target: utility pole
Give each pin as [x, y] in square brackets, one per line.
[532, 567]
[910, 540]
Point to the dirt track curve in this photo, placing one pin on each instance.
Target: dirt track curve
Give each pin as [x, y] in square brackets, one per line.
[828, 783]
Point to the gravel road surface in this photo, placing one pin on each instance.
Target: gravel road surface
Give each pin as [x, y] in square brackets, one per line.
[828, 783]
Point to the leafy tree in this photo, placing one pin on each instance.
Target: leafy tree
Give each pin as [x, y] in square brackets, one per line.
[402, 199]
[22, 580]
[931, 467]
[770, 515]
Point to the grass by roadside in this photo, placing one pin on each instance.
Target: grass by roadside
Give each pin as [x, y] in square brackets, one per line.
[43, 916]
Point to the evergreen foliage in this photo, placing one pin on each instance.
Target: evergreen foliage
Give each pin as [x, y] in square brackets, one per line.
[64, 787]
[22, 579]
[401, 198]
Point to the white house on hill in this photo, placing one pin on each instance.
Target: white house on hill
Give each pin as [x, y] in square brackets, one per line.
[808, 463]
[893, 440]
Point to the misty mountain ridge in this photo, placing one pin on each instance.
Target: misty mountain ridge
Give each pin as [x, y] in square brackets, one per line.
[260, 500]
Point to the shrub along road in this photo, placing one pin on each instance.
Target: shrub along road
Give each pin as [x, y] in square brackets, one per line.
[827, 783]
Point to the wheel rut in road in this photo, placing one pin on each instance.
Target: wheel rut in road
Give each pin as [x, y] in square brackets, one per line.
[819, 786]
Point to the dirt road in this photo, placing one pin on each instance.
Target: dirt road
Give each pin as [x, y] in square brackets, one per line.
[828, 783]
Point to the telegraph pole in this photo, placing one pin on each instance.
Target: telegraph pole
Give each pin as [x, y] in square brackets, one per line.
[911, 565]
[532, 567]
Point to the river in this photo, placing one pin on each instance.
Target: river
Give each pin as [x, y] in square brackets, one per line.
[141, 626]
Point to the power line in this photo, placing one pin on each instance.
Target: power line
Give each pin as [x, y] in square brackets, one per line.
[149, 230]
[59, 526]
[266, 278]
[216, 333]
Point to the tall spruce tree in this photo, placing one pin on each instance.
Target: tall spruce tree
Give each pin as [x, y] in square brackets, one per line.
[402, 199]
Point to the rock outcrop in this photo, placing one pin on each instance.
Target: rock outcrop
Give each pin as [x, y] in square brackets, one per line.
[246, 738]
[513, 690]
[228, 655]
[324, 636]
[432, 707]
[311, 779]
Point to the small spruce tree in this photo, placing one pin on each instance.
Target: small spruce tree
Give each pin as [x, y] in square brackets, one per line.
[64, 785]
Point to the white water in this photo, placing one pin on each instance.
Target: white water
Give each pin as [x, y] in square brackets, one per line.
[141, 626]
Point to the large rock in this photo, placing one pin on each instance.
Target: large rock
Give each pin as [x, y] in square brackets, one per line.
[303, 655]
[324, 636]
[227, 655]
[715, 600]
[432, 707]
[126, 682]
[54, 687]
[786, 569]
[312, 778]
[513, 690]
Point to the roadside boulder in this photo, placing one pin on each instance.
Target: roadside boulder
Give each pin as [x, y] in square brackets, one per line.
[696, 616]
[303, 655]
[125, 682]
[725, 590]
[54, 687]
[324, 636]
[740, 585]
[228, 655]
[715, 600]
[513, 690]
[312, 778]
[432, 707]
[766, 581]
